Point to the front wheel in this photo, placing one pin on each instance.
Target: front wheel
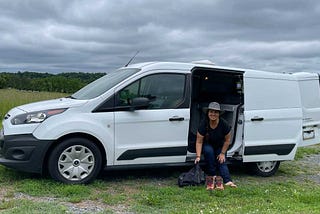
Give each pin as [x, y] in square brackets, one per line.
[264, 168]
[75, 161]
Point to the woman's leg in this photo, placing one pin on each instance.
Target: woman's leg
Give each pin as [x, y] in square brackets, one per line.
[223, 168]
[210, 159]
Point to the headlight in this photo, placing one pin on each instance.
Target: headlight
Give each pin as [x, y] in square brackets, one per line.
[35, 117]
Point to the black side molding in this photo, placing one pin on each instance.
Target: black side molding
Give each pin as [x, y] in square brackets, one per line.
[153, 152]
[283, 149]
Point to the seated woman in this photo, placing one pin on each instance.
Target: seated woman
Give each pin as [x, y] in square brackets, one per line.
[213, 139]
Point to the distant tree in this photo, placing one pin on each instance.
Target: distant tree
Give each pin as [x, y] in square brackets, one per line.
[2, 82]
[64, 82]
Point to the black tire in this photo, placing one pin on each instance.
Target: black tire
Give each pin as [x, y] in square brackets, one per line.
[264, 168]
[75, 161]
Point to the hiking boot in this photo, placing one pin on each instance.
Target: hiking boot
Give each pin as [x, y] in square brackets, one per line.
[219, 183]
[210, 182]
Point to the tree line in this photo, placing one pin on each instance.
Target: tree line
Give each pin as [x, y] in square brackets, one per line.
[63, 82]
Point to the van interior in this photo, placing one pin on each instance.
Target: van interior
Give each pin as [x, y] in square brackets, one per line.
[215, 85]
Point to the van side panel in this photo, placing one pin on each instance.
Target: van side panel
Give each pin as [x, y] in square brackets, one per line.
[310, 98]
[273, 118]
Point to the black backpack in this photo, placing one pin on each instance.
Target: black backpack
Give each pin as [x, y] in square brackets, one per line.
[193, 177]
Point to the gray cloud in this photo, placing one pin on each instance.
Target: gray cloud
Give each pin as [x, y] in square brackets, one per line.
[96, 36]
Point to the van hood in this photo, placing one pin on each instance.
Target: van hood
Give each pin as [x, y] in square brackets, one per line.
[52, 104]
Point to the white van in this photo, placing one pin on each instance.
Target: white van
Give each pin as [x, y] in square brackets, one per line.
[147, 114]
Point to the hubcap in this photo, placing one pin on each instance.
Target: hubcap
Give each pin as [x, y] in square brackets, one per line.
[266, 166]
[76, 162]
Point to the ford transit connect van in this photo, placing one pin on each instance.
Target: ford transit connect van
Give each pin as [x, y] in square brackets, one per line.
[147, 114]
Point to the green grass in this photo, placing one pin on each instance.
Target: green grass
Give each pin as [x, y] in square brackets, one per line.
[30, 207]
[156, 190]
[47, 187]
[308, 150]
[276, 197]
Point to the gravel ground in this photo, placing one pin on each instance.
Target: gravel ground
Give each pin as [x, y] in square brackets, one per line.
[314, 161]
[75, 208]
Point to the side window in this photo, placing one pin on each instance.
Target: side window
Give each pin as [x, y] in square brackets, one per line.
[128, 93]
[164, 91]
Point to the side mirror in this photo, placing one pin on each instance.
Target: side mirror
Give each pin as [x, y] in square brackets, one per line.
[140, 103]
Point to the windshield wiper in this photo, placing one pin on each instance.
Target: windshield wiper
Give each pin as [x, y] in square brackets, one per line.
[70, 96]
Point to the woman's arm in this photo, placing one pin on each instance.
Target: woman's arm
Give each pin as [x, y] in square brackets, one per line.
[222, 156]
[199, 143]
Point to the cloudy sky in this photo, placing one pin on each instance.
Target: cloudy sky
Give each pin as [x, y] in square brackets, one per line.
[96, 36]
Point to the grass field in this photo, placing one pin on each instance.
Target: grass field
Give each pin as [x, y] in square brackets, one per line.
[10, 98]
[294, 189]
[156, 191]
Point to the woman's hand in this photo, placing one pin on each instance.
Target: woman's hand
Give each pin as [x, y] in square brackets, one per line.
[197, 160]
[221, 158]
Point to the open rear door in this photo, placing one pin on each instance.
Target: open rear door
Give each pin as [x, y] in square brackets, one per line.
[273, 117]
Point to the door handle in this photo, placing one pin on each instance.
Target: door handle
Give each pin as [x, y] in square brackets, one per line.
[176, 119]
[257, 119]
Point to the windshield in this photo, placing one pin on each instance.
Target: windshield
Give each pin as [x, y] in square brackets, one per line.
[103, 84]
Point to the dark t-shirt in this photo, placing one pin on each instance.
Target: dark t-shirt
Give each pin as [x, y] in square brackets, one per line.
[217, 135]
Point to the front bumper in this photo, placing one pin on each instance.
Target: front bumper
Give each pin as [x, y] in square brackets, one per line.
[23, 152]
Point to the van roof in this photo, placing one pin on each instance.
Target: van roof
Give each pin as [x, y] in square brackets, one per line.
[306, 76]
[179, 66]
[248, 72]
